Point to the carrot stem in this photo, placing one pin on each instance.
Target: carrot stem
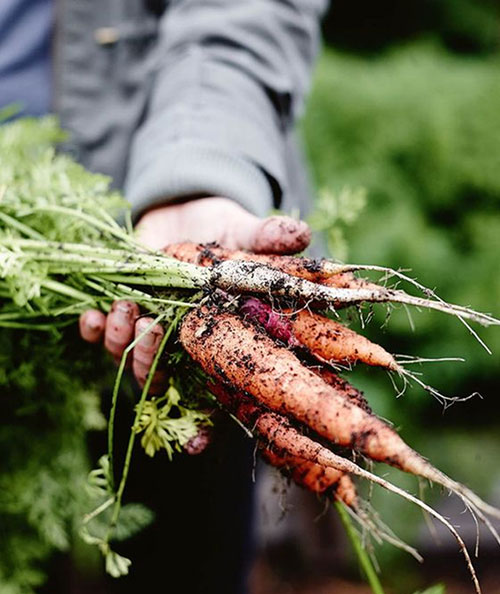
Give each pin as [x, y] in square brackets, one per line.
[363, 558]
[116, 389]
[130, 447]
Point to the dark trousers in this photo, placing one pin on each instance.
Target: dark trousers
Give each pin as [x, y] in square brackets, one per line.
[201, 541]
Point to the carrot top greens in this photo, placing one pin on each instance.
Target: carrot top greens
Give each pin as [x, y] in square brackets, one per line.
[62, 252]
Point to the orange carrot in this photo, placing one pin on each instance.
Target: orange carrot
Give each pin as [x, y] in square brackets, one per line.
[313, 477]
[210, 254]
[266, 425]
[303, 447]
[284, 442]
[232, 351]
[343, 387]
[329, 341]
[347, 280]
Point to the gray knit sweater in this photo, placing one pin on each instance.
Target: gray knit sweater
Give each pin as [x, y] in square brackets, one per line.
[197, 97]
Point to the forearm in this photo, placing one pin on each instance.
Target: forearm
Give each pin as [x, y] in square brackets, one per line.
[231, 78]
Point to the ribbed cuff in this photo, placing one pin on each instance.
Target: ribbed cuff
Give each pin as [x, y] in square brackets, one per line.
[188, 168]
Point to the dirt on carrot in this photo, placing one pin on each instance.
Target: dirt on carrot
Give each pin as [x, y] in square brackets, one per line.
[233, 351]
[210, 254]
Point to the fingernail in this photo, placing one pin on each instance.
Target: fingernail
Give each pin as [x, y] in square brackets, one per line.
[122, 311]
[282, 235]
[122, 307]
[93, 324]
[149, 339]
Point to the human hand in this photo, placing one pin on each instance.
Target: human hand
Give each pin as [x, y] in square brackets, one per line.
[224, 221]
[119, 328]
[204, 220]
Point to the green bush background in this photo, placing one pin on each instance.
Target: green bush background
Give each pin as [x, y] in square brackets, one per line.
[407, 106]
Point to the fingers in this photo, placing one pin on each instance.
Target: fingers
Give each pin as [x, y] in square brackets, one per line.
[281, 235]
[119, 330]
[92, 323]
[144, 353]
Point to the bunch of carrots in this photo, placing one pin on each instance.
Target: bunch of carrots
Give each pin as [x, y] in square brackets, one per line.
[271, 362]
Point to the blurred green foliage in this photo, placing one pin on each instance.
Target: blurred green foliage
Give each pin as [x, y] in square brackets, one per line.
[419, 129]
[49, 402]
[333, 214]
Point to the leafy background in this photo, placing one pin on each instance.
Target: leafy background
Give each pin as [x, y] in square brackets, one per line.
[405, 105]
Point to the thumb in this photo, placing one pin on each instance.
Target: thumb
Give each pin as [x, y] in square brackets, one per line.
[280, 235]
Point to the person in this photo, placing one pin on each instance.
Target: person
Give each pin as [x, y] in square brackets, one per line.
[190, 107]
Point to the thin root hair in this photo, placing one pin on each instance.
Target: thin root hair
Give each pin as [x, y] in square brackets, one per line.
[348, 466]
[370, 521]
[411, 360]
[422, 485]
[429, 293]
[446, 401]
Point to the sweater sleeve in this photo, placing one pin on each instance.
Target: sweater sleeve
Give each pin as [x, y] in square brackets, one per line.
[230, 80]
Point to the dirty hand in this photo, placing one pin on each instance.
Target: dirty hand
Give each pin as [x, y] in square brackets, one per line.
[204, 220]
